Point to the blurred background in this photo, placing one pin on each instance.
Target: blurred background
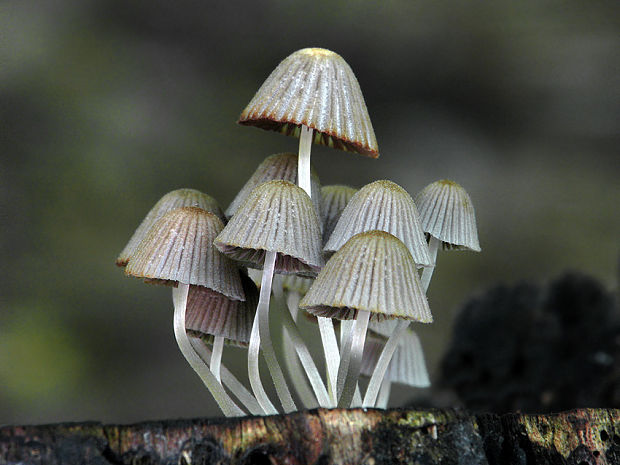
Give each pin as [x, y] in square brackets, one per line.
[107, 105]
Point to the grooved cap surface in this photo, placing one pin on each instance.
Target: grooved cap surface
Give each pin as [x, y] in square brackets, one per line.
[317, 88]
[171, 201]
[277, 216]
[374, 272]
[179, 248]
[385, 206]
[210, 314]
[333, 200]
[279, 166]
[447, 213]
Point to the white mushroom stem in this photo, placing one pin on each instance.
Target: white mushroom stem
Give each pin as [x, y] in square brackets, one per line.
[230, 380]
[351, 359]
[216, 357]
[384, 394]
[290, 359]
[345, 328]
[261, 338]
[427, 273]
[306, 359]
[303, 163]
[384, 360]
[226, 404]
[332, 354]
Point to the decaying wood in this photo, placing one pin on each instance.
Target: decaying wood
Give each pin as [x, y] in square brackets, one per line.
[580, 437]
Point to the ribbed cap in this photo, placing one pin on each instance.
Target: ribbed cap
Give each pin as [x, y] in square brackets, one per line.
[179, 248]
[407, 366]
[385, 206]
[333, 201]
[172, 200]
[446, 213]
[317, 88]
[213, 314]
[374, 272]
[296, 283]
[279, 166]
[277, 216]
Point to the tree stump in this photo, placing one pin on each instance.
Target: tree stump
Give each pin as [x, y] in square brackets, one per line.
[356, 436]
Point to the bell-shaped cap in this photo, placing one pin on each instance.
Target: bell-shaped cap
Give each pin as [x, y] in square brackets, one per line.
[171, 201]
[407, 366]
[385, 206]
[447, 214]
[210, 314]
[279, 166]
[373, 272]
[179, 248]
[333, 200]
[316, 88]
[277, 216]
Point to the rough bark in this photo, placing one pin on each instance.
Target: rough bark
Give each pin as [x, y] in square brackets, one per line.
[447, 436]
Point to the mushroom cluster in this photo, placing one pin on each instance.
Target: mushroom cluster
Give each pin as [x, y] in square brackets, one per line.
[354, 261]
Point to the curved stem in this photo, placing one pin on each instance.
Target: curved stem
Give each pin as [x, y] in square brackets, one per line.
[332, 354]
[384, 394]
[427, 272]
[292, 362]
[216, 357]
[306, 359]
[384, 360]
[230, 380]
[351, 359]
[226, 404]
[303, 163]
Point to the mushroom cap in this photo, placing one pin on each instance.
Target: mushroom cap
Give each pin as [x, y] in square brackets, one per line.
[171, 201]
[333, 200]
[407, 366]
[179, 248]
[278, 166]
[385, 206]
[211, 314]
[447, 213]
[373, 272]
[317, 88]
[382, 329]
[277, 216]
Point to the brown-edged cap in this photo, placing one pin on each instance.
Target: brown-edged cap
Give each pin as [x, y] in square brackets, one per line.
[374, 272]
[385, 206]
[179, 248]
[279, 166]
[172, 200]
[407, 366]
[211, 314]
[277, 216]
[314, 87]
[333, 200]
[447, 213]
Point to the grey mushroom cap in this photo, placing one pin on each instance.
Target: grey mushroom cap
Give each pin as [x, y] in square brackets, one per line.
[277, 216]
[179, 248]
[211, 314]
[447, 213]
[374, 272]
[278, 166]
[314, 87]
[172, 200]
[333, 201]
[382, 205]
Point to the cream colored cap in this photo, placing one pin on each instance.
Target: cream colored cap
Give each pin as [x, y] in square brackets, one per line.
[374, 272]
[279, 166]
[172, 200]
[447, 213]
[179, 248]
[317, 88]
[277, 216]
[385, 206]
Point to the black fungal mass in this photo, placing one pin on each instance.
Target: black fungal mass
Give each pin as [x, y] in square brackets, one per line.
[534, 350]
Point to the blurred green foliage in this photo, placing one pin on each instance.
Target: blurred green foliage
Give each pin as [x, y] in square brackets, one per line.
[109, 104]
